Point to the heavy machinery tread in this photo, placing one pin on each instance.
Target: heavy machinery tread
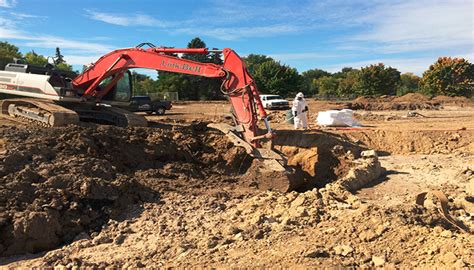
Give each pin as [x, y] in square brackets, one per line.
[57, 115]
[110, 115]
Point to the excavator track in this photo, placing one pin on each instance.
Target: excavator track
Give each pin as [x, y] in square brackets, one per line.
[41, 112]
[109, 115]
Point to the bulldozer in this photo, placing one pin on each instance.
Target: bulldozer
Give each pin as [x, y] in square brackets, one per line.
[54, 98]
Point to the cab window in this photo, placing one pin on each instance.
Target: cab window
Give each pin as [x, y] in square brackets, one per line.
[122, 91]
[123, 88]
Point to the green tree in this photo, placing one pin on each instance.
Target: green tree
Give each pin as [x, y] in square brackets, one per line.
[191, 87]
[196, 43]
[309, 76]
[274, 78]
[59, 58]
[408, 84]
[376, 80]
[7, 53]
[327, 86]
[252, 61]
[201, 87]
[32, 58]
[64, 66]
[449, 76]
[348, 80]
[137, 80]
[147, 86]
[343, 73]
[172, 82]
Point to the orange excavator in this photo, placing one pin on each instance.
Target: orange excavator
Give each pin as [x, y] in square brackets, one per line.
[55, 98]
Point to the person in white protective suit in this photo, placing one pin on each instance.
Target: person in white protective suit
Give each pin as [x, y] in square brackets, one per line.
[299, 111]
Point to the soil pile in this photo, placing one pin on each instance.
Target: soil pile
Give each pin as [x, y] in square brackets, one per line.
[214, 228]
[326, 227]
[411, 97]
[57, 183]
[72, 180]
[410, 101]
[460, 101]
[411, 142]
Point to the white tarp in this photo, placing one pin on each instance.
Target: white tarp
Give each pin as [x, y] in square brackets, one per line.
[336, 118]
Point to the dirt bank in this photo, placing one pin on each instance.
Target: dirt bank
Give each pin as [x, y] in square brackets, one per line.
[72, 180]
[177, 196]
[58, 183]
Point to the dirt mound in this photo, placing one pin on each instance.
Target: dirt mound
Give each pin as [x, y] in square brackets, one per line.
[57, 183]
[452, 100]
[411, 142]
[411, 97]
[322, 228]
[182, 203]
[195, 229]
[71, 180]
[367, 99]
[411, 101]
[383, 106]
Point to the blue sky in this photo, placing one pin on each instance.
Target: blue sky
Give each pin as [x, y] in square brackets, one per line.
[305, 34]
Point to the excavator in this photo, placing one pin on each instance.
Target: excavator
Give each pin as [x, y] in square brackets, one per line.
[55, 98]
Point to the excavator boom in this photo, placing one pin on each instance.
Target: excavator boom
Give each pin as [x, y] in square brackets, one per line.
[238, 84]
[70, 100]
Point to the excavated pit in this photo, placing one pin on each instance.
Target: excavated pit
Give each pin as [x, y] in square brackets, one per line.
[322, 157]
[176, 195]
[57, 184]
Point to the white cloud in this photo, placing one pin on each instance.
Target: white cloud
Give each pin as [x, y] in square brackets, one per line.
[234, 33]
[7, 3]
[125, 20]
[25, 16]
[74, 59]
[8, 29]
[54, 41]
[218, 32]
[418, 26]
[75, 52]
[303, 56]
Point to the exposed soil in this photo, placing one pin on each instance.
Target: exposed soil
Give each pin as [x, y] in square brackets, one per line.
[410, 101]
[74, 179]
[392, 105]
[177, 194]
[459, 101]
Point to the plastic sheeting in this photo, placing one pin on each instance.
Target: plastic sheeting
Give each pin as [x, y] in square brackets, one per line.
[337, 118]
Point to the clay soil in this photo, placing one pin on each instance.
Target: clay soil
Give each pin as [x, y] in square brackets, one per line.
[178, 194]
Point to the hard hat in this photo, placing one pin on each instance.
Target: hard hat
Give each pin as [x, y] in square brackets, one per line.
[300, 95]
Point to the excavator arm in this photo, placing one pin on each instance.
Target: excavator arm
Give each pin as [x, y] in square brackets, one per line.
[237, 83]
[58, 106]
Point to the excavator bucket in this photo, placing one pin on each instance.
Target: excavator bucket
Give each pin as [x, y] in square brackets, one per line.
[268, 170]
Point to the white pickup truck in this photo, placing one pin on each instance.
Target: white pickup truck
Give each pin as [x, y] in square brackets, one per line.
[274, 102]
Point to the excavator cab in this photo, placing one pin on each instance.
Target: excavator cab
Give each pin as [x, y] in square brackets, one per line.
[122, 91]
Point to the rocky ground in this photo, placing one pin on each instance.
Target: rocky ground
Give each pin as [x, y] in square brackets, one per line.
[176, 195]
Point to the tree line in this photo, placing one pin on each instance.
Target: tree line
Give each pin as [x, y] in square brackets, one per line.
[10, 53]
[447, 76]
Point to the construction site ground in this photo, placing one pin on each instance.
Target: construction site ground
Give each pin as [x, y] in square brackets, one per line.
[176, 194]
